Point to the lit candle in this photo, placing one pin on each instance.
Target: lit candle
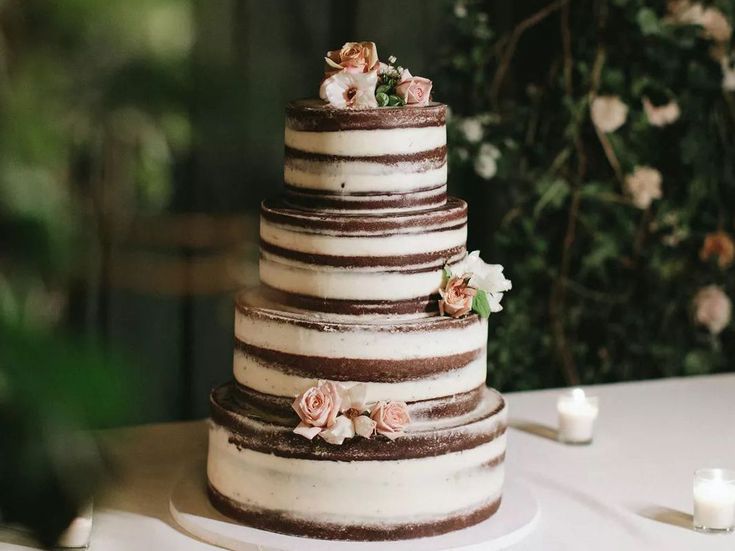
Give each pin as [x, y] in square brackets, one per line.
[577, 414]
[714, 500]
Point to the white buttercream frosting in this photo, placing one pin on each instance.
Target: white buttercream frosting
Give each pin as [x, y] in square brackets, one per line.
[362, 177]
[356, 492]
[258, 375]
[364, 341]
[368, 143]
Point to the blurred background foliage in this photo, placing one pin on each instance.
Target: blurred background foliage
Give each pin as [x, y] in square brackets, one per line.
[607, 262]
[138, 138]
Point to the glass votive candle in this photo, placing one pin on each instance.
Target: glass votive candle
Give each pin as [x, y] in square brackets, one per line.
[577, 413]
[714, 500]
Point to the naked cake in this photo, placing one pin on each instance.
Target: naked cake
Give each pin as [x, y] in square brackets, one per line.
[358, 409]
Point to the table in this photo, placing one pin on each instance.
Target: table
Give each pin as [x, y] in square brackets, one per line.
[630, 490]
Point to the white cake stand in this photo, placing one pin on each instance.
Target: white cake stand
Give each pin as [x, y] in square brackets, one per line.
[191, 509]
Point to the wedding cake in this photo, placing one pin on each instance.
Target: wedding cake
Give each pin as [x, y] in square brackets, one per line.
[358, 409]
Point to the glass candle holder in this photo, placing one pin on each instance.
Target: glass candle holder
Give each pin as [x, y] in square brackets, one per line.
[577, 414]
[714, 500]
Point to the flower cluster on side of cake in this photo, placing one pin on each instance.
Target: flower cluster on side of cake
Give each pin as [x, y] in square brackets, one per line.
[354, 78]
[335, 412]
[472, 285]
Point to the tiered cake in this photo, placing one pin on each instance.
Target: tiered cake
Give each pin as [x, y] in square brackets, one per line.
[359, 409]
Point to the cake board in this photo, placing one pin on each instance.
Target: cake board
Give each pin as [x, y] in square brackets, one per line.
[191, 510]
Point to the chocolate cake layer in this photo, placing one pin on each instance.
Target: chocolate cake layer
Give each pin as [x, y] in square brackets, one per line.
[431, 158]
[257, 430]
[254, 303]
[451, 215]
[433, 258]
[418, 307]
[317, 116]
[439, 408]
[373, 370]
[360, 202]
[283, 523]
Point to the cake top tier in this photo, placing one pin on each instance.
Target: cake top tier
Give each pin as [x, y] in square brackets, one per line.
[313, 115]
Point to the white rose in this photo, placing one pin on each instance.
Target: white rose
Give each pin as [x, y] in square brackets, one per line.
[488, 277]
[472, 129]
[486, 162]
[643, 186]
[342, 429]
[460, 10]
[712, 308]
[608, 113]
[364, 426]
[661, 115]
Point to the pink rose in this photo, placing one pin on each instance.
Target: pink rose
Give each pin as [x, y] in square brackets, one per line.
[414, 90]
[390, 418]
[317, 407]
[457, 297]
[354, 56]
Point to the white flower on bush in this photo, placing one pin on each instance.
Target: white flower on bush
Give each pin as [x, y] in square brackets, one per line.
[728, 75]
[608, 113]
[715, 25]
[460, 10]
[485, 277]
[661, 115]
[486, 162]
[643, 186]
[471, 128]
[713, 22]
[712, 308]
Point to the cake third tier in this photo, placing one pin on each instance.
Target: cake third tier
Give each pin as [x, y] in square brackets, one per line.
[360, 264]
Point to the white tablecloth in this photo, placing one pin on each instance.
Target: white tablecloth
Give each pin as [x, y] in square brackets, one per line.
[630, 490]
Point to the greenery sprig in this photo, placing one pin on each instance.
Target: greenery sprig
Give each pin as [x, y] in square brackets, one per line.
[388, 78]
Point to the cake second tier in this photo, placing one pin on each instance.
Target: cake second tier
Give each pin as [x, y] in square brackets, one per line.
[360, 264]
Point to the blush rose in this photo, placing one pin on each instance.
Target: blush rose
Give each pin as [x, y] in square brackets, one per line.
[353, 56]
[456, 297]
[317, 407]
[391, 418]
[414, 90]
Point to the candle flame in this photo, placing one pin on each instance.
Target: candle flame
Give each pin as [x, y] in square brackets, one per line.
[578, 394]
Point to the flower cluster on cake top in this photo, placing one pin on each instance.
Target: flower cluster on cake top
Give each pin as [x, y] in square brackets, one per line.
[354, 78]
[472, 285]
[336, 412]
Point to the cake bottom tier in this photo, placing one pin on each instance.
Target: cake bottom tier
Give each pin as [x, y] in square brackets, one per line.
[428, 482]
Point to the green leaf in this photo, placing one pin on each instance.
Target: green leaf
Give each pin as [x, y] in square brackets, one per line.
[383, 89]
[446, 273]
[648, 21]
[382, 98]
[481, 305]
[395, 100]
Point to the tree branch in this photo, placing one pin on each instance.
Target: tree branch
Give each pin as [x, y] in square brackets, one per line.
[515, 36]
